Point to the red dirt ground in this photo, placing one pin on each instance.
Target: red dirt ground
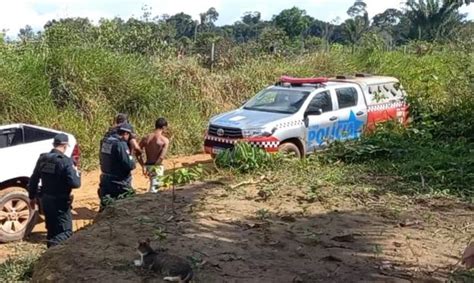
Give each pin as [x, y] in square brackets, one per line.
[86, 202]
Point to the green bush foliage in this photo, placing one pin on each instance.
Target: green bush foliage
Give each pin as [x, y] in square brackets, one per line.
[245, 158]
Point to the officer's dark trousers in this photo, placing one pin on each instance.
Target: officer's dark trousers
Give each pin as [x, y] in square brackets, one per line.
[111, 188]
[57, 212]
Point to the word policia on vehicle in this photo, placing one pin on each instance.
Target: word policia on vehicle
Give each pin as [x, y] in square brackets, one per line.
[301, 115]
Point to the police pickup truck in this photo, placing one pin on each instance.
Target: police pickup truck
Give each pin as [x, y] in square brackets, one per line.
[20, 147]
[302, 115]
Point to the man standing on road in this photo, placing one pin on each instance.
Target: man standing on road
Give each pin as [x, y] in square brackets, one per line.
[58, 177]
[116, 164]
[155, 146]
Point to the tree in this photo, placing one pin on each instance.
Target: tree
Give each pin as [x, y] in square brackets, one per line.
[247, 29]
[387, 19]
[111, 33]
[317, 28]
[26, 34]
[333, 32]
[251, 18]
[293, 21]
[208, 18]
[390, 24]
[433, 20]
[459, 2]
[355, 27]
[358, 9]
[146, 37]
[2, 37]
[272, 39]
[69, 31]
[183, 24]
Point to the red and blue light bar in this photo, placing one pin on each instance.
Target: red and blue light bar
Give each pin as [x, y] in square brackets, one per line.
[300, 81]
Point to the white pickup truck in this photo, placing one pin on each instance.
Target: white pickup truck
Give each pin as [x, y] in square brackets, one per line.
[302, 115]
[20, 147]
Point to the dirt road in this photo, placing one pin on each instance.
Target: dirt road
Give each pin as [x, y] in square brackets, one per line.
[86, 202]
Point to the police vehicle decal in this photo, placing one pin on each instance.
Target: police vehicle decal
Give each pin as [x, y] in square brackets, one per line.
[290, 124]
[341, 130]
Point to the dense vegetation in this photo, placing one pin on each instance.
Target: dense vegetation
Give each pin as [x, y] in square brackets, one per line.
[75, 76]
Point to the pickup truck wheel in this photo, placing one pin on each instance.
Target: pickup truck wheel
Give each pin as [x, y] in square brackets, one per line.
[290, 148]
[15, 214]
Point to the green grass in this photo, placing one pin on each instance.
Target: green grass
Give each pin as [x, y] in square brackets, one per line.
[462, 276]
[19, 267]
[79, 89]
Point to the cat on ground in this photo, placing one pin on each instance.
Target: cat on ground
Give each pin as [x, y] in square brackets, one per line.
[172, 267]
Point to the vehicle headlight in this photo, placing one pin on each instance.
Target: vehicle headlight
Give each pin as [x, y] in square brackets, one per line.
[259, 132]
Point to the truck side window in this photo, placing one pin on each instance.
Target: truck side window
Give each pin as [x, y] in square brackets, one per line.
[346, 97]
[10, 137]
[321, 101]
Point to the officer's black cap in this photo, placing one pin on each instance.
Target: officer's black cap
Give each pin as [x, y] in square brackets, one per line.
[61, 139]
[121, 118]
[126, 127]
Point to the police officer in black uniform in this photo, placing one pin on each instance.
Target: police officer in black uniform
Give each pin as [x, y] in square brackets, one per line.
[58, 177]
[119, 120]
[116, 164]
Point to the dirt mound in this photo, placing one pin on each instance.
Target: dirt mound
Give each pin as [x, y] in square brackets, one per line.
[86, 201]
[231, 234]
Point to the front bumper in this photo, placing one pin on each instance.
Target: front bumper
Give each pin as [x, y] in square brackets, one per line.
[213, 144]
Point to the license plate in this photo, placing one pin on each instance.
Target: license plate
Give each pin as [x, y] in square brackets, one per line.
[217, 150]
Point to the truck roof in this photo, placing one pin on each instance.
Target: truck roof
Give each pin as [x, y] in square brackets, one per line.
[369, 80]
[360, 79]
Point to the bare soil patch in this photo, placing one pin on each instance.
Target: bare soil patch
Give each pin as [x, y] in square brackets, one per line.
[86, 202]
[245, 234]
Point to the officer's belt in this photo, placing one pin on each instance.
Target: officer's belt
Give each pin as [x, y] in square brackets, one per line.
[116, 179]
[56, 196]
[113, 176]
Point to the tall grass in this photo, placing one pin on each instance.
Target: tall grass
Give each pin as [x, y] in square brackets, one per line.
[79, 89]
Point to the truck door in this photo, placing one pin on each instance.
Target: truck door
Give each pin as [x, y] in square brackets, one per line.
[351, 113]
[320, 119]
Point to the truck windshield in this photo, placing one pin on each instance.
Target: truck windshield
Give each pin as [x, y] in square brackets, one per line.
[286, 101]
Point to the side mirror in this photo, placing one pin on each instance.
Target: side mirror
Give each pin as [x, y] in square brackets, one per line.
[313, 112]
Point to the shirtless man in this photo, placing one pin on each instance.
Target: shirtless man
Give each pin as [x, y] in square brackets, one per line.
[155, 146]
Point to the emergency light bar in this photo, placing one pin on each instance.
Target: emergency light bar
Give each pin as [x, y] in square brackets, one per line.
[300, 81]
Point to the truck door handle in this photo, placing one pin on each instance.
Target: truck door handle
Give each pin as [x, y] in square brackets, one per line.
[360, 113]
[334, 118]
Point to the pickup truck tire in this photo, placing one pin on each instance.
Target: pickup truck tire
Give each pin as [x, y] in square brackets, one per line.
[290, 148]
[15, 214]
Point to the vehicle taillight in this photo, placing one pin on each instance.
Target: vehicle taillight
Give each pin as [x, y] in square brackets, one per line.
[76, 155]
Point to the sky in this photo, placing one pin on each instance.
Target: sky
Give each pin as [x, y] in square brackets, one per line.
[15, 14]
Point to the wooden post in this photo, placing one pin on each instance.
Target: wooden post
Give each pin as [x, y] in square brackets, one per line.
[195, 30]
[212, 56]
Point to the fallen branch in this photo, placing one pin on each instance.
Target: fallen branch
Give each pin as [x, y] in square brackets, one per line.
[251, 182]
[246, 183]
